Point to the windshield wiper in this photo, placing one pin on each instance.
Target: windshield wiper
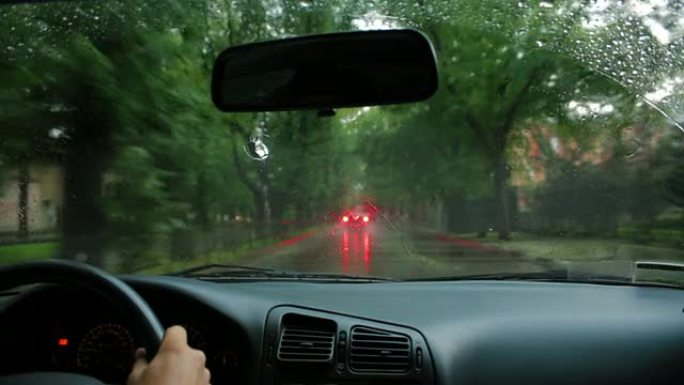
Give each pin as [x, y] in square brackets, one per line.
[342, 277]
[553, 276]
[225, 272]
[204, 269]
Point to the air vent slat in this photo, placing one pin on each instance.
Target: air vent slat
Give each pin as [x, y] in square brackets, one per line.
[370, 357]
[363, 355]
[375, 344]
[307, 338]
[370, 337]
[307, 343]
[303, 355]
[306, 332]
[376, 364]
[374, 350]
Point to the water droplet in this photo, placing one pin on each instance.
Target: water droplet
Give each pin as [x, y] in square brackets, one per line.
[256, 149]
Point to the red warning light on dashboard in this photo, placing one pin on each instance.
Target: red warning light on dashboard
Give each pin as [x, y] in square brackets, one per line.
[63, 342]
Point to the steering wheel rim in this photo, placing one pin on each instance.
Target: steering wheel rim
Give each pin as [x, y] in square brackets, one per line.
[144, 323]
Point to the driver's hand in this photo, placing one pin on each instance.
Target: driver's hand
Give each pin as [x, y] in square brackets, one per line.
[176, 363]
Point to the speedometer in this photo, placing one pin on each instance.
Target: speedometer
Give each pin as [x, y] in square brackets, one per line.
[106, 352]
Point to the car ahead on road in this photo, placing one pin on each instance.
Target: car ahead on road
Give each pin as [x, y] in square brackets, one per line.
[355, 219]
[561, 118]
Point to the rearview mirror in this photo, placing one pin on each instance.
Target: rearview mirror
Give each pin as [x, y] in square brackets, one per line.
[351, 69]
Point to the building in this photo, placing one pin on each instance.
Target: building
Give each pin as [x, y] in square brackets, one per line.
[45, 190]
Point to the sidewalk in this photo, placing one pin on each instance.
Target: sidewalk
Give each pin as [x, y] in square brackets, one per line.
[464, 242]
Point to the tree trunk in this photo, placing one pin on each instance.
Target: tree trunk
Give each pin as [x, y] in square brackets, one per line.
[264, 195]
[23, 206]
[84, 222]
[503, 215]
[201, 204]
[83, 217]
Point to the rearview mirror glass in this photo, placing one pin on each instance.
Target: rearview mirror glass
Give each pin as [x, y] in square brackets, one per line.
[351, 69]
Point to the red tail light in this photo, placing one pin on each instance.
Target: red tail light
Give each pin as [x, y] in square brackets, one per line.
[345, 219]
[365, 218]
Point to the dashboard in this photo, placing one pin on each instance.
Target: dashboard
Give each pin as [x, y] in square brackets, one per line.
[412, 333]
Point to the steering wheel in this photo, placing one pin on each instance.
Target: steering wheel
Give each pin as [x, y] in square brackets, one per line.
[144, 323]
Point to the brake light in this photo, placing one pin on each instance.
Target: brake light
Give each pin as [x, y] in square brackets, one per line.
[365, 218]
[345, 219]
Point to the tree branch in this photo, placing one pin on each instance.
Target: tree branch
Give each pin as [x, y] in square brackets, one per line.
[479, 132]
[509, 117]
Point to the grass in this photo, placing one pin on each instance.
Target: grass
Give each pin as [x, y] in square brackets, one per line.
[165, 265]
[160, 263]
[27, 252]
[584, 249]
[653, 236]
[153, 262]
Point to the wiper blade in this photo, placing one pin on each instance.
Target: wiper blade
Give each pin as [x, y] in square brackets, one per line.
[221, 268]
[553, 276]
[226, 272]
[343, 277]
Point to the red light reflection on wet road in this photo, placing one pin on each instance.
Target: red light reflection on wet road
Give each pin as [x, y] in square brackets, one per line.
[295, 240]
[345, 251]
[366, 250]
[360, 248]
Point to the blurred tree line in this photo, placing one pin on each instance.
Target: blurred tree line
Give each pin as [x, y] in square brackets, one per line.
[509, 67]
[117, 93]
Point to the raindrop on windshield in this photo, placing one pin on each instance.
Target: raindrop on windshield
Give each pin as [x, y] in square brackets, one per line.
[633, 148]
[256, 149]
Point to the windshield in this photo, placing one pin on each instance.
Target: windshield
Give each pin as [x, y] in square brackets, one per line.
[555, 139]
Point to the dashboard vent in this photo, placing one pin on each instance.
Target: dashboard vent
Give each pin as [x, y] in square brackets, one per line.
[374, 350]
[306, 339]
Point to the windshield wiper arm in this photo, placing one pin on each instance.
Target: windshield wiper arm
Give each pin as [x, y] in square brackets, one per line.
[342, 277]
[555, 275]
[552, 276]
[220, 267]
[217, 272]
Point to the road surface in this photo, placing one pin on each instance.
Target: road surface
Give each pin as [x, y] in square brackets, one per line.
[382, 251]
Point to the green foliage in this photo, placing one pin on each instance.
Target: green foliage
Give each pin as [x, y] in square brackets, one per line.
[27, 252]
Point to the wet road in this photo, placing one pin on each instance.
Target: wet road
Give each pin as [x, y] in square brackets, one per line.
[381, 251]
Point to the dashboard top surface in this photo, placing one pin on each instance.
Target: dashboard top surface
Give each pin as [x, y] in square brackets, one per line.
[411, 302]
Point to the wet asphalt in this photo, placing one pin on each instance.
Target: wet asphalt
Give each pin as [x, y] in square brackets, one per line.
[385, 251]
